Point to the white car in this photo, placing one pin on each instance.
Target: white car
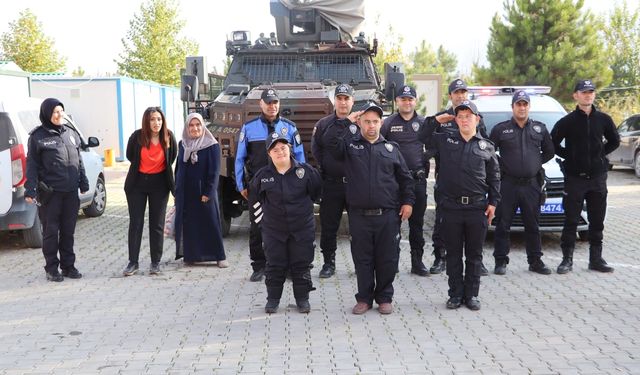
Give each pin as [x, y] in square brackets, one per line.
[494, 104]
[18, 116]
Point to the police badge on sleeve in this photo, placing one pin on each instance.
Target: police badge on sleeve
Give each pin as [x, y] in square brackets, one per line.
[300, 173]
[537, 128]
[415, 126]
[389, 147]
[353, 128]
[482, 144]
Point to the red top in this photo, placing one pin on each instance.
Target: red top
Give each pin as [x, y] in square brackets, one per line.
[152, 159]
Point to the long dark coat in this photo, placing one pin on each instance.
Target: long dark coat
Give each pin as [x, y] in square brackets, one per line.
[198, 230]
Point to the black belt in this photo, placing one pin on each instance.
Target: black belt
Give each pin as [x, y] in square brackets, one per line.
[468, 199]
[519, 180]
[418, 173]
[368, 211]
[335, 179]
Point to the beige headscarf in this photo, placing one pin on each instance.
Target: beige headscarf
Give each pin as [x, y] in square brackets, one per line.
[193, 145]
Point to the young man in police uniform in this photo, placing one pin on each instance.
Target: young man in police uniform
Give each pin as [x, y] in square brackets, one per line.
[403, 128]
[589, 135]
[524, 145]
[468, 192]
[251, 156]
[333, 180]
[380, 194]
[444, 122]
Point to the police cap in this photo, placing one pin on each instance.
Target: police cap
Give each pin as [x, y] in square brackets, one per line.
[467, 105]
[457, 84]
[269, 95]
[585, 85]
[520, 96]
[274, 138]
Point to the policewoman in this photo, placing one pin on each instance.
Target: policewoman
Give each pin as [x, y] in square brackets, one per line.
[468, 192]
[380, 194]
[524, 145]
[285, 190]
[54, 174]
[251, 156]
[403, 128]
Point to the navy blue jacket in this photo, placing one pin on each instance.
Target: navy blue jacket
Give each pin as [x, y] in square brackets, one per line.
[328, 128]
[406, 135]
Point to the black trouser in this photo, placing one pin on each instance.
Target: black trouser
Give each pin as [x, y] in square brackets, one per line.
[152, 188]
[256, 252]
[58, 218]
[525, 195]
[288, 251]
[436, 236]
[416, 220]
[577, 190]
[464, 230]
[331, 207]
[373, 243]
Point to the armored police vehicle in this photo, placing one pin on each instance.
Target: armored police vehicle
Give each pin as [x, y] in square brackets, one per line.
[494, 103]
[312, 53]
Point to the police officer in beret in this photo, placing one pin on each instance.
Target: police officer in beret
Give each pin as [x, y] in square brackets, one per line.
[589, 135]
[251, 156]
[286, 190]
[332, 170]
[403, 127]
[380, 194]
[444, 122]
[468, 192]
[524, 145]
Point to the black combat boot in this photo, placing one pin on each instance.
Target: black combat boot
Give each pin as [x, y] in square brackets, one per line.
[417, 267]
[596, 263]
[273, 299]
[567, 262]
[329, 267]
[301, 293]
[440, 263]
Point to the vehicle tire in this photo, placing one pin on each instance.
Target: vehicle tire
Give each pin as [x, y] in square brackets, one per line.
[583, 235]
[33, 236]
[99, 201]
[225, 220]
[636, 164]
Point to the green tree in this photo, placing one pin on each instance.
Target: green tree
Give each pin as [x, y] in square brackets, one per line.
[389, 49]
[78, 72]
[545, 42]
[622, 36]
[26, 44]
[153, 48]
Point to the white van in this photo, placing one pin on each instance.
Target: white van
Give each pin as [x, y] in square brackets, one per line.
[18, 116]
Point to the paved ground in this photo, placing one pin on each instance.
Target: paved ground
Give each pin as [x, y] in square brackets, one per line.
[211, 320]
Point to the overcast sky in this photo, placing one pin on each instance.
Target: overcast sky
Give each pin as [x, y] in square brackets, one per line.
[89, 33]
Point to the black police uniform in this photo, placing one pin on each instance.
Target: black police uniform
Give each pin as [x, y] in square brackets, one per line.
[378, 183]
[405, 134]
[431, 125]
[54, 163]
[288, 225]
[333, 183]
[585, 169]
[522, 153]
[469, 183]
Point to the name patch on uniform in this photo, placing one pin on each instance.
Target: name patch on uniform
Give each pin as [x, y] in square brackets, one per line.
[396, 128]
[357, 147]
[446, 125]
[267, 180]
[415, 126]
[507, 131]
[300, 173]
[482, 145]
[353, 128]
[49, 143]
[537, 128]
[449, 140]
[388, 146]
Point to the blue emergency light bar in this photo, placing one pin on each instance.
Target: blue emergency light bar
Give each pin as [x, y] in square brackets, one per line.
[506, 90]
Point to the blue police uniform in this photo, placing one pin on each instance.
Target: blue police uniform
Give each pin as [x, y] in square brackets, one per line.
[522, 153]
[250, 157]
[406, 134]
[378, 184]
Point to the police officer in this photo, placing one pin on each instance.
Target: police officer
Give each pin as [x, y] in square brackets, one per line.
[468, 192]
[524, 145]
[589, 135]
[402, 128]
[286, 190]
[380, 193]
[54, 173]
[251, 156]
[333, 179]
[444, 122]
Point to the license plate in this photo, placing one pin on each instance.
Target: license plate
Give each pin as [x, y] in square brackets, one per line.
[549, 208]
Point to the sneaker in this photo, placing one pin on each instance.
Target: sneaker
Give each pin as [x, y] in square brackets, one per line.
[223, 264]
[454, 302]
[54, 276]
[361, 308]
[257, 275]
[473, 303]
[72, 273]
[439, 266]
[303, 306]
[154, 269]
[131, 269]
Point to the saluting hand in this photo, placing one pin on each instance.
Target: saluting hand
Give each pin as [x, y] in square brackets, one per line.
[490, 212]
[405, 211]
[445, 117]
[353, 116]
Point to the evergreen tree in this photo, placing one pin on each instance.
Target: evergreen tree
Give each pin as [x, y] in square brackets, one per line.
[622, 35]
[26, 44]
[545, 42]
[153, 48]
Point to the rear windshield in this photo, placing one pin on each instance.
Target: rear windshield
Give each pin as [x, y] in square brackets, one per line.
[547, 118]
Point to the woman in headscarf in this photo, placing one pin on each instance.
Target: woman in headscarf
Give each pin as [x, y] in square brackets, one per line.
[197, 225]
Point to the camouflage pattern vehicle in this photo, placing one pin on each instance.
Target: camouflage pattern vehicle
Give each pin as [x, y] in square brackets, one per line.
[305, 63]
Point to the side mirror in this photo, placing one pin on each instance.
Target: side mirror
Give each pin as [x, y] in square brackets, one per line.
[93, 142]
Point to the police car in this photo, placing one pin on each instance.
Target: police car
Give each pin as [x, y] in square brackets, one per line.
[494, 103]
[18, 116]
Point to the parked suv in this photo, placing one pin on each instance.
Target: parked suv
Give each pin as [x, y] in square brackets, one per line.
[628, 154]
[494, 103]
[18, 116]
